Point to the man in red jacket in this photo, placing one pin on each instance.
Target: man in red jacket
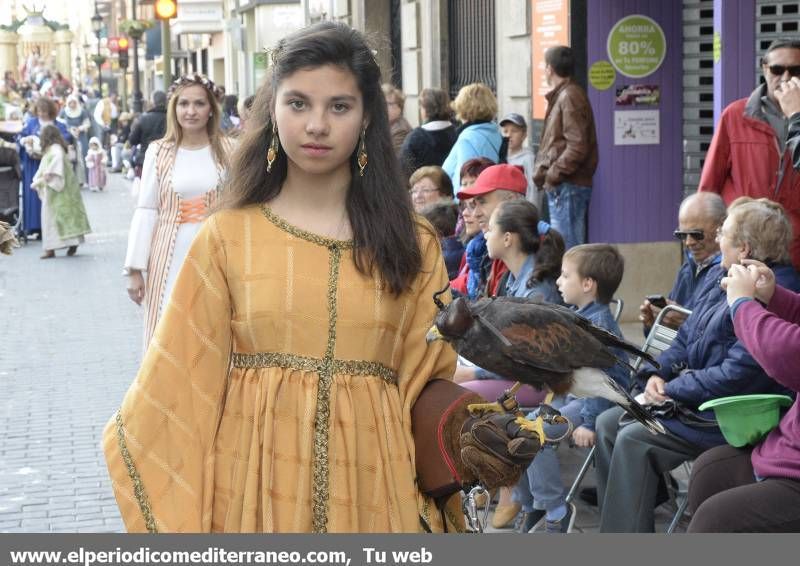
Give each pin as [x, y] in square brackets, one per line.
[748, 155]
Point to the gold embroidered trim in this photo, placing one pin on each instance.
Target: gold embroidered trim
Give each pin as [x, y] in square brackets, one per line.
[321, 477]
[305, 363]
[329, 243]
[138, 486]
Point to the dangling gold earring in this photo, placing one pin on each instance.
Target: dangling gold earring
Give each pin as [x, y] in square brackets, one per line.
[362, 152]
[272, 152]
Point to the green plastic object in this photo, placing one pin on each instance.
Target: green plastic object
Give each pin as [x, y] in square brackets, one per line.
[746, 419]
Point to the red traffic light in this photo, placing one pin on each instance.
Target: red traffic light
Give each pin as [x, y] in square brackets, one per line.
[166, 9]
[122, 43]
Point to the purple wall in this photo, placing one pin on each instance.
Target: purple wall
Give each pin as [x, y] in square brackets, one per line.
[735, 73]
[637, 189]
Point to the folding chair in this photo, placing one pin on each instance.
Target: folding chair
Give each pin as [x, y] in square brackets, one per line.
[616, 306]
[658, 339]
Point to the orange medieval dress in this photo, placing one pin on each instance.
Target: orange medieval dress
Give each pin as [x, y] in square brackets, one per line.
[276, 393]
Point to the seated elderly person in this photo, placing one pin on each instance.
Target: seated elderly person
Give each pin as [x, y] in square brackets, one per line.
[429, 185]
[706, 361]
[699, 217]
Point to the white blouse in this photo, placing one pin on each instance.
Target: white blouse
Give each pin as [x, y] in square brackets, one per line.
[194, 174]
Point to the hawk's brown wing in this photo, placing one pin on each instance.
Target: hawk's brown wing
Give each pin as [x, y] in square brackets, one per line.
[545, 338]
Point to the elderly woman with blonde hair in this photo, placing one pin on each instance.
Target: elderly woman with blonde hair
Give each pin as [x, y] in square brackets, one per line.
[429, 185]
[478, 136]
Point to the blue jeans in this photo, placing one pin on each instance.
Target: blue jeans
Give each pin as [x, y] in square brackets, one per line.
[540, 487]
[568, 206]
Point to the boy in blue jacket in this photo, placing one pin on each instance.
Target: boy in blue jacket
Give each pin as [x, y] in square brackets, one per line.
[590, 275]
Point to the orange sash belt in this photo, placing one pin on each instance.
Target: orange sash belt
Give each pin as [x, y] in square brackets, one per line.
[192, 210]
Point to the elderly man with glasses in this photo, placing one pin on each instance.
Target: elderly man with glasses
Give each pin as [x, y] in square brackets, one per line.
[699, 217]
[751, 153]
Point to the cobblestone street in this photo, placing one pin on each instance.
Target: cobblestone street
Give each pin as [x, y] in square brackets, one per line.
[69, 350]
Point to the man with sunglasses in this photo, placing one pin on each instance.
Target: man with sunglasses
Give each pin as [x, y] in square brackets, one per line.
[749, 154]
[699, 217]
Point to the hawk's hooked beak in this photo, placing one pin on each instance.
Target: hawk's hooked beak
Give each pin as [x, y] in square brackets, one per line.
[433, 335]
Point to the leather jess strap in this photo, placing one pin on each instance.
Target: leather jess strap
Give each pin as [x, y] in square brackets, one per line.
[192, 210]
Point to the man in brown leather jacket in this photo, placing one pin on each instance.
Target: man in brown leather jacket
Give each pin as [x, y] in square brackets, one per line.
[567, 156]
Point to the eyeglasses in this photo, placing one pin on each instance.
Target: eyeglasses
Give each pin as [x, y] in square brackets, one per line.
[779, 70]
[414, 192]
[682, 235]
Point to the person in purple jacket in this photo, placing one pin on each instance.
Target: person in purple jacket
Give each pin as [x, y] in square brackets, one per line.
[756, 489]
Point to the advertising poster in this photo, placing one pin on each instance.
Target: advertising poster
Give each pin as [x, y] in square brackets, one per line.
[637, 127]
[550, 26]
[638, 95]
[636, 46]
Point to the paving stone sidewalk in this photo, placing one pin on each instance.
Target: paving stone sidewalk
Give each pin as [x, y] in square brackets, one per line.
[69, 348]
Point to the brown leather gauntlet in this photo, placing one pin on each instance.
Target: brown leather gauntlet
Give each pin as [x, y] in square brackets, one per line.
[455, 449]
[496, 449]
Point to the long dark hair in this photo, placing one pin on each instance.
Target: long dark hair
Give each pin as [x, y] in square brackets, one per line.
[521, 217]
[50, 135]
[380, 212]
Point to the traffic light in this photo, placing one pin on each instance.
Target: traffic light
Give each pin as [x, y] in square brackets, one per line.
[122, 52]
[166, 9]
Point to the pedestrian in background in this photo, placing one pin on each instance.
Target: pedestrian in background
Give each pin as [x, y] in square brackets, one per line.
[96, 161]
[567, 156]
[30, 152]
[64, 220]
[105, 116]
[516, 130]
[478, 136]
[245, 109]
[181, 181]
[77, 119]
[230, 114]
[149, 127]
[432, 141]
[395, 103]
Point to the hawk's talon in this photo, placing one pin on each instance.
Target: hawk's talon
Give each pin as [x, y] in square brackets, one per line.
[480, 409]
[535, 426]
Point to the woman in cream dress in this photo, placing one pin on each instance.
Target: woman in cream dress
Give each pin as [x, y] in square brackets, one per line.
[181, 180]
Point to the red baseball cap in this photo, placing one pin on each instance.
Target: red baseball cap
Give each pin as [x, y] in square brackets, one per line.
[503, 177]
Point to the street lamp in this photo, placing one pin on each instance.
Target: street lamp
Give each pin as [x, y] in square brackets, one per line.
[136, 36]
[97, 27]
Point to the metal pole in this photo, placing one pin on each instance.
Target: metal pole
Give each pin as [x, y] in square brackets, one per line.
[137, 92]
[166, 53]
[124, 90]
[99, 68]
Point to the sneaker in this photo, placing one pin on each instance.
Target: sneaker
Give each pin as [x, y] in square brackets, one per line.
[564, 525]
[527, 520]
